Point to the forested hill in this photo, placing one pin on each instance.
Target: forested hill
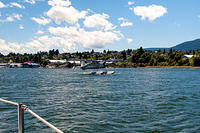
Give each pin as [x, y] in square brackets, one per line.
[185, 46]
[189, 45]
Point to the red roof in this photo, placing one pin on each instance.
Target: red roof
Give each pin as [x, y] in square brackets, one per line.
[27, 62]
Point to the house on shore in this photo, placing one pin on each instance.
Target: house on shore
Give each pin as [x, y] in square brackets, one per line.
[76, 62]
[30, 65]
[188, 56]
[113, 61]
[16, 65]
[57, 62]
[4, 65]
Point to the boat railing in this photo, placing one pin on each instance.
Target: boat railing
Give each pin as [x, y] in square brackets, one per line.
[21, 108]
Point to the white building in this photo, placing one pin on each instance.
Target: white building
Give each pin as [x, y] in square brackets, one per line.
[58, 61]
[188, 56]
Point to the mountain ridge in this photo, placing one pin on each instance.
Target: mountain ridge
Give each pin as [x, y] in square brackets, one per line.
[185, 46]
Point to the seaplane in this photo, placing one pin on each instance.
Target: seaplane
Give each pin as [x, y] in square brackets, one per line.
[95, 64]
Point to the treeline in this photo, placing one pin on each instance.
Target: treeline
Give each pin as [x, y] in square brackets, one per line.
[129, 57]
[162, 58]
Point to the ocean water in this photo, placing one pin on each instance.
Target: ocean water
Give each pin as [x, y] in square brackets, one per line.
[146, 100]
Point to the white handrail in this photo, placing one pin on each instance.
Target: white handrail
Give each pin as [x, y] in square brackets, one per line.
[34, 114]
[44, 121]
[10, 102]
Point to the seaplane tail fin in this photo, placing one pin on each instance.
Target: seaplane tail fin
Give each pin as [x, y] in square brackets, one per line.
[82, 63]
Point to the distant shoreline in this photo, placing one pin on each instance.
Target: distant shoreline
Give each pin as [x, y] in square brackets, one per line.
[178, 67]
[172, 67]
[189, 67]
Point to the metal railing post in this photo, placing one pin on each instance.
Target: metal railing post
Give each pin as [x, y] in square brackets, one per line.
[21, 108]
[20, 119]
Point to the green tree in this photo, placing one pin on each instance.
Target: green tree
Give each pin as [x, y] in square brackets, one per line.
[195, 61]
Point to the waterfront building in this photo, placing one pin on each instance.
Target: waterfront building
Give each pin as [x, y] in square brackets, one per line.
[30, 65]
[4, 65]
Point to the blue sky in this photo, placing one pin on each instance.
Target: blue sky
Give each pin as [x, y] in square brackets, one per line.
[82, 25]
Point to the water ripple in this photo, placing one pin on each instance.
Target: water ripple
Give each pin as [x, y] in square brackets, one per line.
[132, 100]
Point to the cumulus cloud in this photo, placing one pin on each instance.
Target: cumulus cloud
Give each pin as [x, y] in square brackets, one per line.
[98, 21]
[14, 4]
[30, 1]
[2, 5]
[67, 32]
[40, 32]
[87, 39]
[17, 16]
[65, 14]
[151, 12]
[100, 34]
[21, 27]
[59, 3]
[7, 47]
[124, 22]
[12, 18]
[63, 38]
[94, 31]
[97, 39]
[129, 40]
[43, 43]
[42, 21]
[131, 3]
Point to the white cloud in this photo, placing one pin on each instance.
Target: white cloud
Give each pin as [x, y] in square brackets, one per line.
[67, 32]
[151, 12]
[124, 22]
[59, 3]
[98, 21]
[43, 43]
[40, 32]
[131, 3]
[68, 14]
[7, 47]
[131, 8]
[129, 40]
[21, 27]
[63, 38]
[97, 39]
[14, 4]
[17, 16]
[30, 1]
[121, 19]
[2, 5]
[87, 39]
[8, 19]
[42, 21]
[12, 18]
[101, 33]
